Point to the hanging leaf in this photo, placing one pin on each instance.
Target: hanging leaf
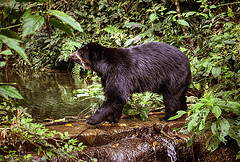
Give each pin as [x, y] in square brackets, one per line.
[144, 116]
[216, 110]
[6, 52]
[128, 42]
[14, 44]
[8, 3]
[67, 19]
[9, 91]
[213, 143]
[183, 22]
[191, 140]
[171, 12]
[230, 13]
[31, 23]
[153, 17]
[62, 26]
[216, 71]
[179, 114]
[2, 64]
[3, 93]
[190, 13]
[133, 25]
[9, 33]
[224, 127]
[200, 42]
[197, 86]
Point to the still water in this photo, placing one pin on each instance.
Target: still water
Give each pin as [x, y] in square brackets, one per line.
[47, 95]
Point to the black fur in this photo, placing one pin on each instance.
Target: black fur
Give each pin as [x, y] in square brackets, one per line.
[154, 66]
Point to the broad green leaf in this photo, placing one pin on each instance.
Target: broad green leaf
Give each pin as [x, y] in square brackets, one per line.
[14, 44]
[204, 15]
[112, 29]
[230, 42]
[197, 86]
[200, 42]
[236, 106]
[132, 112]
[208, 140]
[208, 69]
[216, 110]
[11, 91]
[7, 3]
[191, 140]
[202, 125]
[205, 62]
[171, 12]
[183, 22]
[238, 155]
[216, 57]
[2, 64]
[67, 19]
[180, 113]
[128, 42]
[203, 120]
[6, 52]
[3, 93]
[31, 23]
[214, 128]
[212, 7]
[153, 17]
[224, 127]
[118, 42]
[182, 49]
[144, 116]
[190, 13]
[194, 121]
[230, 12]
[197, 105]
[9, 33]
[213, 144]
[216, 71]
[62, 26]
[133, 25]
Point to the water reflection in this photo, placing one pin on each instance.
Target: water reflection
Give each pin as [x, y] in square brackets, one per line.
[48, 95]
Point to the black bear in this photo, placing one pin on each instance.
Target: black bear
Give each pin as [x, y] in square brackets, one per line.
[153, 66]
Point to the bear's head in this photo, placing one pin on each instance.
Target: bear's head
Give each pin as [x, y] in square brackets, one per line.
[87, 54]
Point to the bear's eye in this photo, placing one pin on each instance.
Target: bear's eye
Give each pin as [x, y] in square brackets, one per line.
[79, 53]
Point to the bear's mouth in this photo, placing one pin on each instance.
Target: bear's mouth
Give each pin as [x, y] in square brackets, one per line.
[76, 58]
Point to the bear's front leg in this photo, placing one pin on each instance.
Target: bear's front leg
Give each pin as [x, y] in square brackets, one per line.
[106, 111]
[100, 115]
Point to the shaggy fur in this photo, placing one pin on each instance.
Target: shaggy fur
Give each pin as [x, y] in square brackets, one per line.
[154, 66]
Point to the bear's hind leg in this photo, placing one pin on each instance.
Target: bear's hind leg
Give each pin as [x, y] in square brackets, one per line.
[173, 102]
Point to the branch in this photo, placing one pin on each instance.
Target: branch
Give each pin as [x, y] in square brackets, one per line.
[179, 15]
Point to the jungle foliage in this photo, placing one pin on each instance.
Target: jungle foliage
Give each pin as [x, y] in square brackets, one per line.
[44, 33]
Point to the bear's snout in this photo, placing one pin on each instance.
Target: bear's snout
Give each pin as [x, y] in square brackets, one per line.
[74, 56]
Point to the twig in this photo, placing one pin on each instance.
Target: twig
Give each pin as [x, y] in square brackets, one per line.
[176, 2]
[165, 134]
[10, 27]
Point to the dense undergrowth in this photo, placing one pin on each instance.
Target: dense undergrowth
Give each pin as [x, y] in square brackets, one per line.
[207, 31]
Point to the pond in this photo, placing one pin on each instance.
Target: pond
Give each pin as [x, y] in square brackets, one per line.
[48, 95]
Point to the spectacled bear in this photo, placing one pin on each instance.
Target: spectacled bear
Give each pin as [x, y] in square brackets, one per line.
[153, 66]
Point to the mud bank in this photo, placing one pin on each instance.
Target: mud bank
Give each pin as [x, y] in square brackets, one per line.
[129, 140]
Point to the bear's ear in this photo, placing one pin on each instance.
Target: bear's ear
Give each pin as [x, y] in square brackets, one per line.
[94, 49]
